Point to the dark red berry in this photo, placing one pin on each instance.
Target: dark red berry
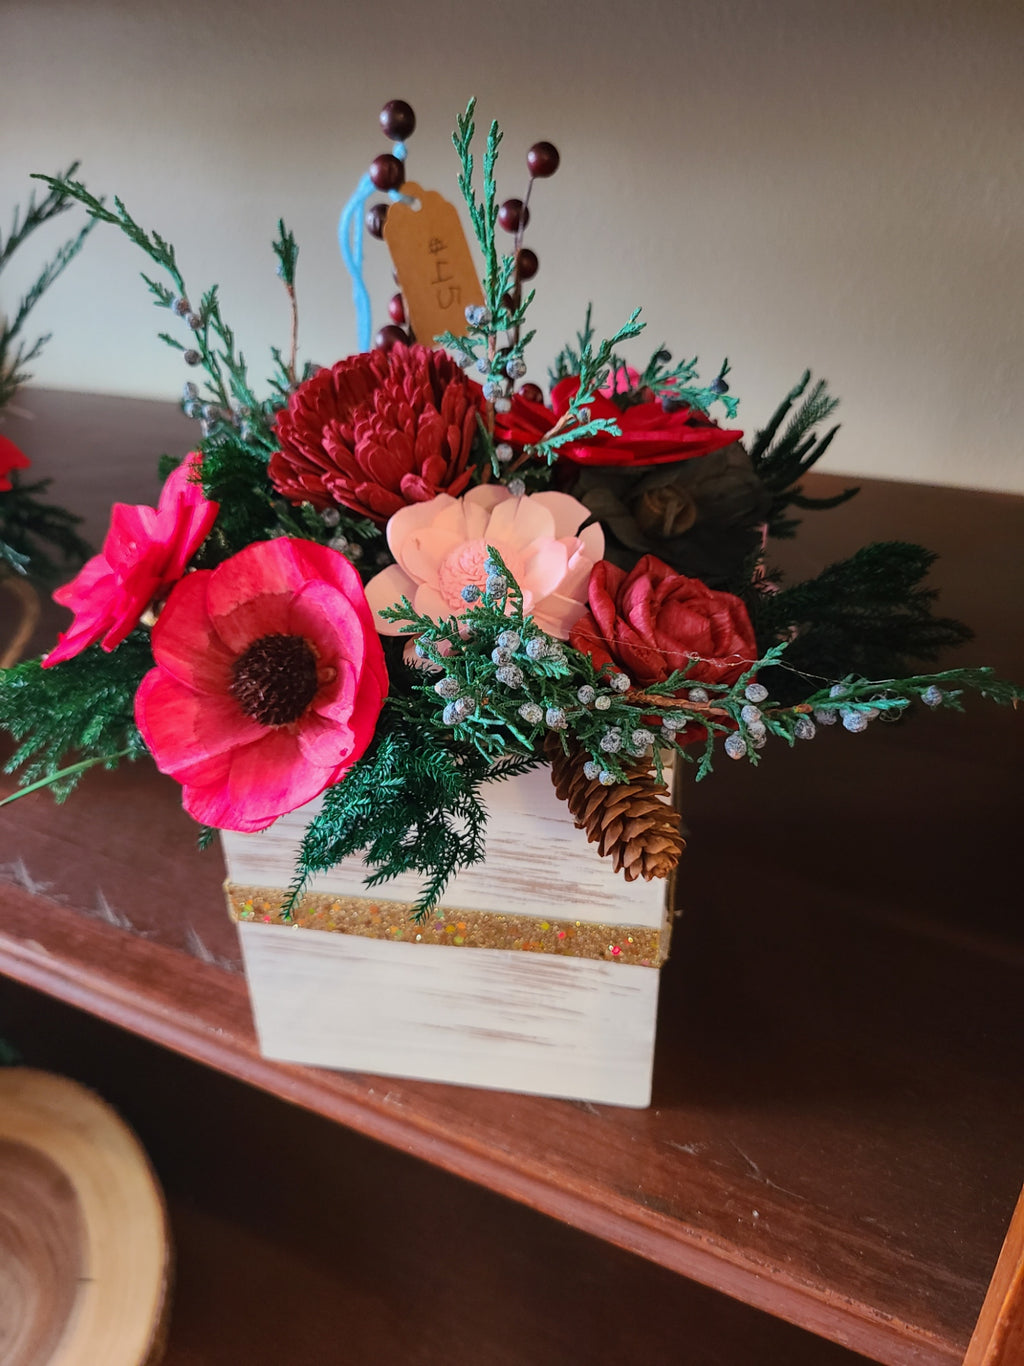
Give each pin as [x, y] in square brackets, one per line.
[513, 215]
[375, 218]
[388, 336]
[533, 393]
[398, 120]
[387, 172]
[542, 159]
[528, 263]
[396, 308]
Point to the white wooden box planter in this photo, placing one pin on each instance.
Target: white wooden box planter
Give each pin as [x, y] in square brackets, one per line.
[539, 973]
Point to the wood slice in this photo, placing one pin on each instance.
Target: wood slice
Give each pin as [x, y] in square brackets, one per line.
[17, 626]
[84, 1251]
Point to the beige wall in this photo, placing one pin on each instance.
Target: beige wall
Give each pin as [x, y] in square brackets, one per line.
[837, 183]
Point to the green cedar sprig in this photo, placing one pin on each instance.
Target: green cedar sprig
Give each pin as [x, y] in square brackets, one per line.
[74, 716]
[502, 686]
[679, 382]
[660, 376]
[229, 396]
[16, 356]
[491, 341]
[594, 369]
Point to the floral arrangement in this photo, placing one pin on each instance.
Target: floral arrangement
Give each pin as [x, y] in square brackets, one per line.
[32, 529]
[392, 580]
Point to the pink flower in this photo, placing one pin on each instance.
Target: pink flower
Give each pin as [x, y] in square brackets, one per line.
[11, 458]
[441, 547]
[145, 551]
[268, 683]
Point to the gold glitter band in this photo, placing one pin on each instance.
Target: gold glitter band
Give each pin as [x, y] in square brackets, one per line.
[372, 918]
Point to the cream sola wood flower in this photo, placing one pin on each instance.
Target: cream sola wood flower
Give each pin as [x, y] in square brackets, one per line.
[441, 549]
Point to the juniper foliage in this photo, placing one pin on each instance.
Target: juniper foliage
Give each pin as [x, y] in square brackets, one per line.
[677, 381]
[74, 716]
[229, 396]
[494, 343]
[406, 807]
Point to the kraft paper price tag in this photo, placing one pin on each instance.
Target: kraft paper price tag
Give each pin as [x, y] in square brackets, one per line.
[433, 263]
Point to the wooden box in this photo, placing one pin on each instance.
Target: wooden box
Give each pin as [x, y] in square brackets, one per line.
[538, 974]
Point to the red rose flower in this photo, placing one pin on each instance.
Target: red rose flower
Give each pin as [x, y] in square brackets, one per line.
[145, 551]
[649, 434]
[11, 458]
[653, 621]
[377, 432]
[268, 683]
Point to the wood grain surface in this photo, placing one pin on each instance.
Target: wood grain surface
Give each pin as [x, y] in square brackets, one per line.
[42, 1261]
[837, 1128]
[84, 1256]
[998, 1338]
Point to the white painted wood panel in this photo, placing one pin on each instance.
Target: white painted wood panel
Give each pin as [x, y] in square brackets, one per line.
[538, 863]
[513, 1021]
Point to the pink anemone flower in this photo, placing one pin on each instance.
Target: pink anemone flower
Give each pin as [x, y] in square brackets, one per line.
[145, 551]
[268, 683]
[441, 548]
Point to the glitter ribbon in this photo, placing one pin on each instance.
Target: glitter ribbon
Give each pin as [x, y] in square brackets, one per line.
[373, 918]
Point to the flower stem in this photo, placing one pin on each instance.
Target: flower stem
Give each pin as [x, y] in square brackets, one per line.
[69, 772]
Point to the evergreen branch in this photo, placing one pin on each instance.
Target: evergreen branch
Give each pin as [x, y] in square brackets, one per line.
[286, 250]
[15, 359]
[869, 614]
[212, 349]
[28, 525]
[404, 806]
[156, 248]
[593, 367]
[35, 215]
[83, 707]
[287, 253]
[780, 463]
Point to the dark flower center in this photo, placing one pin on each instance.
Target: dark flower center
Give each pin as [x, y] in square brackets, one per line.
[275, 680]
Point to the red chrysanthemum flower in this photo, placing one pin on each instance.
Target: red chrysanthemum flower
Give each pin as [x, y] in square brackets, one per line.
[11, 458]
[377, 432]
[268, 683]
[145, 551]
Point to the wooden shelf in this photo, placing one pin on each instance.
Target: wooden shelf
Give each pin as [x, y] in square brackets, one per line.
[837, 1135]
[294, 1234]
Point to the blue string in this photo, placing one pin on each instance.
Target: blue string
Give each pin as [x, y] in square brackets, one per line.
[351, 241]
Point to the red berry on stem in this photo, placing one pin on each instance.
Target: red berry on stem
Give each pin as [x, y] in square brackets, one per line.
[388, 336]
[542, 159]
[375, 218]
[397, 120]
[513, 215]
[533, 393]
[387, 172]
[528, 263]
[396, 308]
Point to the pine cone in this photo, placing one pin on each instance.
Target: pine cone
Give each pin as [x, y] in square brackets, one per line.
[634, 822]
